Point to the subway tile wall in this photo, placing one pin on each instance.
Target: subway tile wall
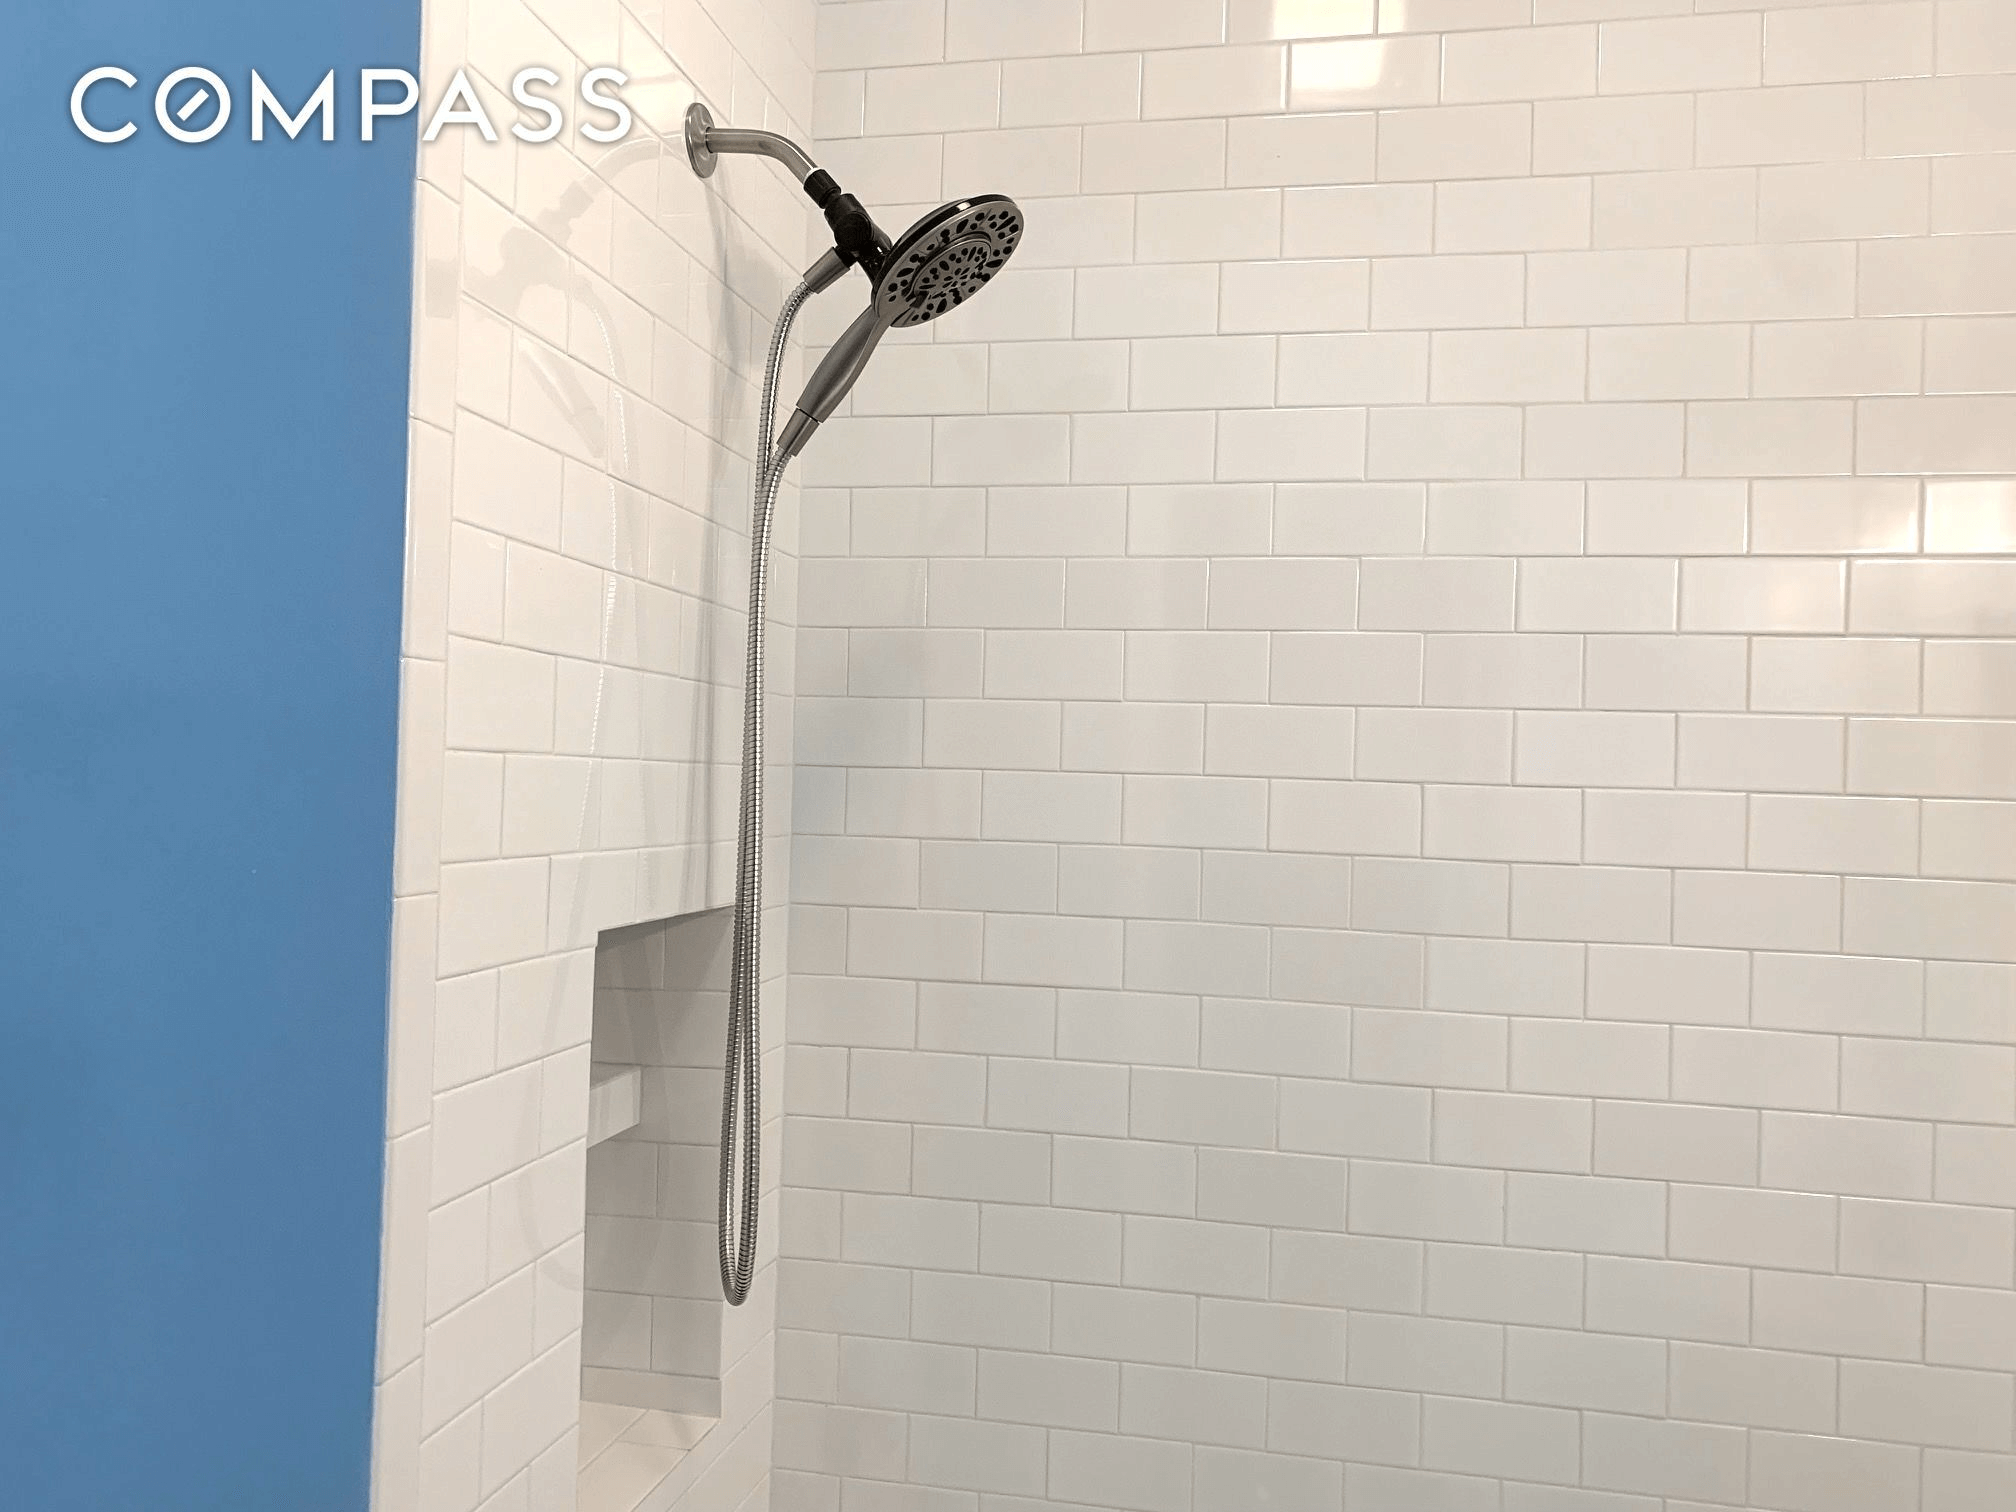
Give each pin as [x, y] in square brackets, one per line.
[590, 327]
[1406, 798]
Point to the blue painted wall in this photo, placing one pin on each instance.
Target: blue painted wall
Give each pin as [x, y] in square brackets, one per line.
[203, 369]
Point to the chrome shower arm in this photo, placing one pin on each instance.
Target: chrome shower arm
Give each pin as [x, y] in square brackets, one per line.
[705, 142]
[856, 237]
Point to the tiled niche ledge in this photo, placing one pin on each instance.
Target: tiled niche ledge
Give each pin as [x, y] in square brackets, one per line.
[652, 1356]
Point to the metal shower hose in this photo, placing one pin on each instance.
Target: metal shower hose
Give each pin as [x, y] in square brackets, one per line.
[741, 1089]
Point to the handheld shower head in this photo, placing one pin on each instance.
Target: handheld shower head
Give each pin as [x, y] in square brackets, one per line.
[933, 267]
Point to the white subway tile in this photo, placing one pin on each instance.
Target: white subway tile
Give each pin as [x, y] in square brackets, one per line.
[1342, 1422]
[1505, 367]
[1770, 438]
[1531, 64]
[1427, 1202]
[1735, 1226]
[975, 29]
[1359, 668]
[1068, 90]
[1399, 1353]
[1704, 52]
[1848, 43]
[1329, 1268]
[1608, 904]
[1208, 225]
[1663, 829]
[1669, 1299]
[1924, 1404]
[1050, 1390]
[1267, 741]
[1369, 74]
[1767, 752]
[1968, 678]
[1054, 1244]
[1662, 984]
[1666, 672]
[1757, 910]
[1606, 288]
[1826, 201]
[1288, 295]
[1566, 1369]
[880, 33]
[1973, 1165]
[1250, 888]
[1512, 215]
[1437, 594]
[1354, 369]
[1197, 666]
[1669, 362]
[1647, 134]
[1349, 1118]
[1679, 207]
[1176, 1254]
[1496, 1285]
[1501, 824]
[1297, 149]
[1274, 1189]
[1540, 978]
[1444, 441]
[1108, 1323]
[1970, 1327]
[1484, 671]
[989, 1456]
[1257, 19]
[1927, 1242]
[1971, 1083]
[1863, 1157]
[1918, 117]
[1812, 123]
[1127, 1176]
[1286, 444]
[1660, 1141]
[1269, 1339]
[1839, 1315]
[1248, 80]
[1838, 994]
[1113, 24]
[1456, 142]
[1431, 293]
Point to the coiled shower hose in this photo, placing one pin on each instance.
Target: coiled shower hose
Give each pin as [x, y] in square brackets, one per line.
[741, 1091]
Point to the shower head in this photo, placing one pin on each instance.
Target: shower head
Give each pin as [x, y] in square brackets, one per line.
[935, 266]
[943, 260]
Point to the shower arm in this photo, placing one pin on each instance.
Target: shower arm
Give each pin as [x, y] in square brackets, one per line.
[857, 240]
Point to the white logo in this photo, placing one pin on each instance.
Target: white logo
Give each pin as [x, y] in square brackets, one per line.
[194, 104]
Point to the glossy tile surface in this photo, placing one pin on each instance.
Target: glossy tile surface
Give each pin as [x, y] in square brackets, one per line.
[1403, 882]
[590, 325]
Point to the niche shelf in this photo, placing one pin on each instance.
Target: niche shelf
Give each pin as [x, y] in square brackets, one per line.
[628, 1452]
[652, 1314]
[615, 1101]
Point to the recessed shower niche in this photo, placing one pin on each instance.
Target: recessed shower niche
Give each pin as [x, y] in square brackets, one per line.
[653, 1325]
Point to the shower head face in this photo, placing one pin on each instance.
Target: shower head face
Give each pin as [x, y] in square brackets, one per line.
[939, 263]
